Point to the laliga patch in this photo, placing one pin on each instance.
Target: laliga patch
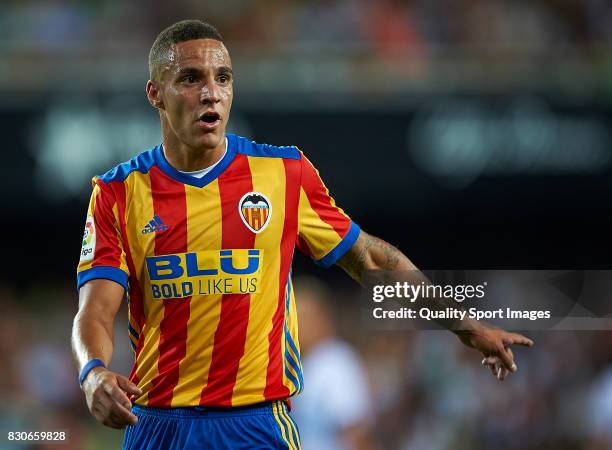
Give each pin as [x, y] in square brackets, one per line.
[255, 210]
[89, 240]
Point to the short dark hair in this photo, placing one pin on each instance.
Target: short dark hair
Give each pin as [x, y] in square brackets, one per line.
[185, 30]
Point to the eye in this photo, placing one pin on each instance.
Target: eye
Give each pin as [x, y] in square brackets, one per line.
[189, 79]
[224, 78]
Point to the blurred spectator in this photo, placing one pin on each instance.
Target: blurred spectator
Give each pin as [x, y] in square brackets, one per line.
[600, 412]
[333, 412]
[415, 38]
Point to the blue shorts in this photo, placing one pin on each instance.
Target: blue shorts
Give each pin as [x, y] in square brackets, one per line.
[263, 426]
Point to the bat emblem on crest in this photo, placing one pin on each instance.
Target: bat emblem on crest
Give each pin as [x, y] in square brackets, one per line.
[255, 210]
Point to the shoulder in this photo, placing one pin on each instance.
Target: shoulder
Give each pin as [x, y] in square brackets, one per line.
[140, 163]
[247, 147]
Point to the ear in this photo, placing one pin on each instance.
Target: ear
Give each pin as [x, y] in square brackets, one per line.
[154, 94]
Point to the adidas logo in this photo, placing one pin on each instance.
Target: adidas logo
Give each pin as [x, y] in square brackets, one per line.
[156, 225]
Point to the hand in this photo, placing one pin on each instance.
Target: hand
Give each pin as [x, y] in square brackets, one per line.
[496, 367]
[107, 400]
[494, 344]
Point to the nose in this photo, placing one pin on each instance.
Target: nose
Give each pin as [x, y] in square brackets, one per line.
[210, 92]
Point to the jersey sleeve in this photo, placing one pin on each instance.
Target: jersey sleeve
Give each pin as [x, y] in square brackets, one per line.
[325, 232]
[102, 252]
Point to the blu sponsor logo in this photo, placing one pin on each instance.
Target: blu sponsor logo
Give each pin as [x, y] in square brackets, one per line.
[211, 272]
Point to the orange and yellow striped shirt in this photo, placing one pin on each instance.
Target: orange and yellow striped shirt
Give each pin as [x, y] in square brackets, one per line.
[206, 264]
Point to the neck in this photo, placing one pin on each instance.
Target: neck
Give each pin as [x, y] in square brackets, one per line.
[189, 159]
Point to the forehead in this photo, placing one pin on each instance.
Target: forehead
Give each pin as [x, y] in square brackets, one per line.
[203, 53]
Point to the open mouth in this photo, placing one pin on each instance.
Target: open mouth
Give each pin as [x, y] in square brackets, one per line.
[210, 117]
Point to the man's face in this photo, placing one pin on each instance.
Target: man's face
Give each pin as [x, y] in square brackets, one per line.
[197, 91]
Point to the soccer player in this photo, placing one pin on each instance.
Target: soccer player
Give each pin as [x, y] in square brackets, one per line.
[199, 233]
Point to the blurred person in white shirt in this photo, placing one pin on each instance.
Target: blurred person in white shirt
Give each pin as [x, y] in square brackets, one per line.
[334, 410]
[599, 415]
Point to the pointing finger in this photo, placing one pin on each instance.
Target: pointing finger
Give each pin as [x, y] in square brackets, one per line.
[517, 339]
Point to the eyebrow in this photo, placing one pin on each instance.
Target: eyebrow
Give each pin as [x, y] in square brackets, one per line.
[187, 70]
[192, 70]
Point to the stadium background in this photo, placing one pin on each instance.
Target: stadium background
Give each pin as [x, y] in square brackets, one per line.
[470, 133]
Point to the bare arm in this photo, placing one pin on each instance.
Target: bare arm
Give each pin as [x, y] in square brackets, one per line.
[370, 253]
[92, 337]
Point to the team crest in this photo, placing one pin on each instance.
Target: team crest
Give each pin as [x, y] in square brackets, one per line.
[255, 210]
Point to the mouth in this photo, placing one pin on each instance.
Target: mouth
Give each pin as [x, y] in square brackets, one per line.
[209, 120]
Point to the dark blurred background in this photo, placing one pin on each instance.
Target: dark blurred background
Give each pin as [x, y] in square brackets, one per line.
[469, 133]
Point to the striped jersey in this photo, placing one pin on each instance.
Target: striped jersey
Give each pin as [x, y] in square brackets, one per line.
[206, 265]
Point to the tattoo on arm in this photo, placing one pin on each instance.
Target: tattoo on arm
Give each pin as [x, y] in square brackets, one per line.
[372, 253]
[354, 260]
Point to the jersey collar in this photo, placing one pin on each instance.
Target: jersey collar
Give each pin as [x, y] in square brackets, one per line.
[181, 177]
